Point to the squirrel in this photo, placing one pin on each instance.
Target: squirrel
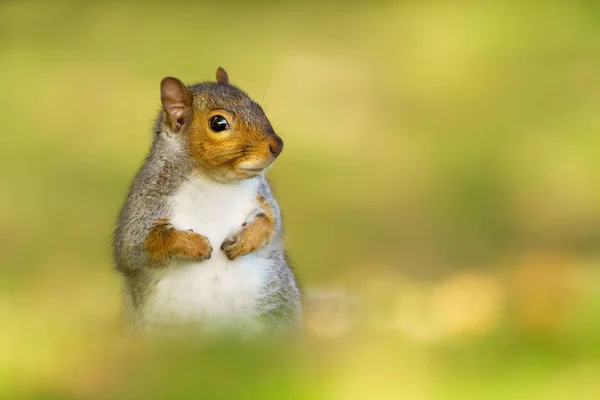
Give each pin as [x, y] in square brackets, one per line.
[199, 238]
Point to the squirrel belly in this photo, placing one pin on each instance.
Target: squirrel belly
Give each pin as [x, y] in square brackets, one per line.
[215, 209]
[217, 289]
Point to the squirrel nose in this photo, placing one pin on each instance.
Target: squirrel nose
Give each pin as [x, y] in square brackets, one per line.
[276, 146]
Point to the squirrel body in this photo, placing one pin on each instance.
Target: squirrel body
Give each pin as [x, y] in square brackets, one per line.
[199, 239]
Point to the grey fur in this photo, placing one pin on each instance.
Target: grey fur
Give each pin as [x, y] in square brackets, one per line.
[165, 169]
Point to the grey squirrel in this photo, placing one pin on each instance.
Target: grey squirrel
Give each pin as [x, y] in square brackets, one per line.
[199, 238]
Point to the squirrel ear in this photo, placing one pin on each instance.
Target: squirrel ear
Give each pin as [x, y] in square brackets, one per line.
[222, 76]
[176, 98]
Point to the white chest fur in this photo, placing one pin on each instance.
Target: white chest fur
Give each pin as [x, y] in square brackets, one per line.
[215, 289]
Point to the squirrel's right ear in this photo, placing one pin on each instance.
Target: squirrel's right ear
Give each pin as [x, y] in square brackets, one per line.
[176, 99]
[222, 76]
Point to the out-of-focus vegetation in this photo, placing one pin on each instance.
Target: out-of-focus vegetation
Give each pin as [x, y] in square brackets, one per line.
[441, 172]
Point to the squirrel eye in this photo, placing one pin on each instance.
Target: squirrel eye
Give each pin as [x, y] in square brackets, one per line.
[218, 123]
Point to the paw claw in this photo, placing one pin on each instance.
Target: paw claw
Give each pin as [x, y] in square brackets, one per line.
[228, 242]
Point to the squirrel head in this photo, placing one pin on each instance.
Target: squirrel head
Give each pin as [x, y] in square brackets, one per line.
[227, 134]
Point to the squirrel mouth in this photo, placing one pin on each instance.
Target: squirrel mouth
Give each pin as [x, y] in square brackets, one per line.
[252, 170]
[252, 167]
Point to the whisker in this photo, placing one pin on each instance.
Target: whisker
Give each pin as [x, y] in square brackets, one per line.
[227, 154]
[262, 101]
[203, 172]
[235, 153]
[191, 178]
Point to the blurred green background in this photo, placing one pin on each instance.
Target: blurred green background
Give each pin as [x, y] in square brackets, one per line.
[439, 187]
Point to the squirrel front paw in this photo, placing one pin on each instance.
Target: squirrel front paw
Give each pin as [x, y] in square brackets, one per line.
[252, 236]
[164, 241]
[192, 245]
[233, 247]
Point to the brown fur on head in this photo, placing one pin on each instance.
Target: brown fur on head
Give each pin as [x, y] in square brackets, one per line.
[227, 134]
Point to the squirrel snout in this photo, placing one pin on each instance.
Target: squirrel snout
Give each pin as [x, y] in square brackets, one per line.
[276, 146]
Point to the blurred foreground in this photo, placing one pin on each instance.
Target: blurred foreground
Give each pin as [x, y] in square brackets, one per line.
[439, 187]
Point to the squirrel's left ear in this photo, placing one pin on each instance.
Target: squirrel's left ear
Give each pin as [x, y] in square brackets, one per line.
[177, 99]
[222, 76]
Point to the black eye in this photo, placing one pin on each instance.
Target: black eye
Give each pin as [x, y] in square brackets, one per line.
[218, 123]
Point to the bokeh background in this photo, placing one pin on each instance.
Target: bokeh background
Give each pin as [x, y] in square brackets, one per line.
[439, 186]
